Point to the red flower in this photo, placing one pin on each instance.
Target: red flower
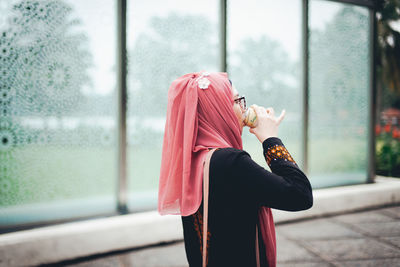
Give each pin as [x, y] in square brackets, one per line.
[395, 133]
[378, 129]
[387, 128]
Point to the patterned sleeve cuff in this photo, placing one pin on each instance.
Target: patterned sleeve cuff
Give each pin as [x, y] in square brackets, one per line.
[276, 152]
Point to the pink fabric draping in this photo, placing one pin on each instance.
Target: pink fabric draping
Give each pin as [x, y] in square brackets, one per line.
[199, 119]
[267, 228]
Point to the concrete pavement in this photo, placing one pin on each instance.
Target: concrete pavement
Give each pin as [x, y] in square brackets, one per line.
[367, 238]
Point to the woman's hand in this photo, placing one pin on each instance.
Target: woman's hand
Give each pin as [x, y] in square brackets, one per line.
[267, 125]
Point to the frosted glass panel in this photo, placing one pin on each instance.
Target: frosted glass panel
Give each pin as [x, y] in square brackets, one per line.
[264, 63]
[165, 41]
[339, 86]
[57, 110]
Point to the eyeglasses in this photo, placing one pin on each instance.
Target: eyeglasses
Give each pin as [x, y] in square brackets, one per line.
[241, 101]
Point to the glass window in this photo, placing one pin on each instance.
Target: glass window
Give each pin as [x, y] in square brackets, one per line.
[57, 110]
[339, 86]
[264, 63]
[58, 101]
[165, 40]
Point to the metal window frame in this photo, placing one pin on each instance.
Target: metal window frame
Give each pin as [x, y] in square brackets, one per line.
[305, 86]
[122, 188]
[371, 157]
[223, 37]
[363, 3]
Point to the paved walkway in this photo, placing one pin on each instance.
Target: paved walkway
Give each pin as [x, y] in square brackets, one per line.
[368, 238]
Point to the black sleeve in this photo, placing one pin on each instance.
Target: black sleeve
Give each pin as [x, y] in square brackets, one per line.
[286, 188]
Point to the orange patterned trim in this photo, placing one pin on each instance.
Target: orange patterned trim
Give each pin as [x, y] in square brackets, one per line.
[198, 226]
[278, 152]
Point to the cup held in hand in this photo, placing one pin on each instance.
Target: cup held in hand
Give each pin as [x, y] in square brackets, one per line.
[250, 117]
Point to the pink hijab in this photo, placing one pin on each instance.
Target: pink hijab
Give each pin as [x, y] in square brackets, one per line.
[200, 116]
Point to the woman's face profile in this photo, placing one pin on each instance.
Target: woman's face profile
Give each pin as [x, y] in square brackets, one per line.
[237, 108]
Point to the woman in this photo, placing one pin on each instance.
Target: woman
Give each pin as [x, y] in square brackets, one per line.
[204, 112]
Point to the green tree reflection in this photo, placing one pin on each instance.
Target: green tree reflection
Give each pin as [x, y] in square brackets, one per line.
[175, 45]
[44, 61]
[339, 68]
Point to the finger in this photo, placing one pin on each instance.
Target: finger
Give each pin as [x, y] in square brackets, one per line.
[281, 116]
[254, 106]
[262, 110]
[257, 109]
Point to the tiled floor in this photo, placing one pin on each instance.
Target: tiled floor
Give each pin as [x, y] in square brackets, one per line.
[369, 238]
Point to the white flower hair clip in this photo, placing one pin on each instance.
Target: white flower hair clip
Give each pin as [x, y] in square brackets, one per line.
[202, 81]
